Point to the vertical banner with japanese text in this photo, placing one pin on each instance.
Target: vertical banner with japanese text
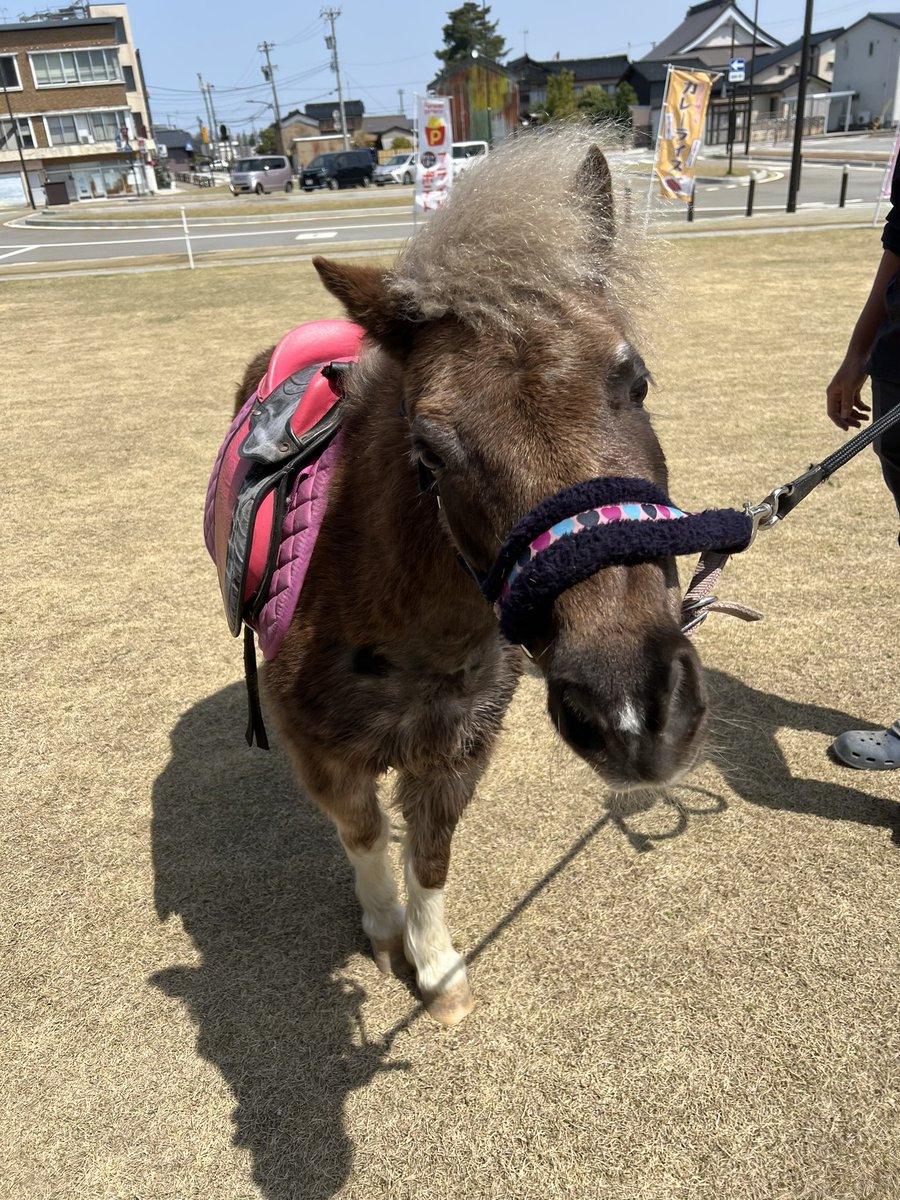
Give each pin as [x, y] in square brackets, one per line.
[434, 168]
[681, 131]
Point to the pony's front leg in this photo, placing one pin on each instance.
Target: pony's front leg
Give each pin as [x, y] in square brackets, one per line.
[432, 806]
[350, 798]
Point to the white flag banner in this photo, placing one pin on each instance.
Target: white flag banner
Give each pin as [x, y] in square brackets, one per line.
[434, 169]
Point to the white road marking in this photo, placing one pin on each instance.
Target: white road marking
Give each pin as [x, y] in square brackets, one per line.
[316, 237]
[19, 250]
[207, 237]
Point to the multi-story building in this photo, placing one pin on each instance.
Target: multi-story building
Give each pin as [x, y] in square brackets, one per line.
[74, 107]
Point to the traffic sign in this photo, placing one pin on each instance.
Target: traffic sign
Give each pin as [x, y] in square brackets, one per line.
[736, 71]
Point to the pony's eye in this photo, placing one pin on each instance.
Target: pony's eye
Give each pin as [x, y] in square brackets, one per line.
[427, 457]
[639, 390]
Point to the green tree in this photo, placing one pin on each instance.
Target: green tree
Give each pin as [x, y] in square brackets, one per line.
[561, 100]
[401, 143]
[598, 105]
[468, 29]
[625, 97]
[268, 141]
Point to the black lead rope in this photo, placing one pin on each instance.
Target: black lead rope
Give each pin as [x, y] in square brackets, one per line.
[785, 499]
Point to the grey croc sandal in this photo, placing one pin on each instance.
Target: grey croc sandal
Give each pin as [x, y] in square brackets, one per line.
[869, 750]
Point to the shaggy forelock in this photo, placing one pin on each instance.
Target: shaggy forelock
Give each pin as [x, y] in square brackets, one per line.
[517, 240]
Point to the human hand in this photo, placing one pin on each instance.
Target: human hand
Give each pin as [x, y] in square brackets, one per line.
[845, 405]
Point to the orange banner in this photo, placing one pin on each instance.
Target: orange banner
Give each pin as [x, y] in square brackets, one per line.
[681, 131]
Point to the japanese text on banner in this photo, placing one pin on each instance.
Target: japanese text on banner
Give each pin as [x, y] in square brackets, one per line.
[681, 135]
[434, 170]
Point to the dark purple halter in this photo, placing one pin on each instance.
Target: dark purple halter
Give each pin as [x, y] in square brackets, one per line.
[595, 524]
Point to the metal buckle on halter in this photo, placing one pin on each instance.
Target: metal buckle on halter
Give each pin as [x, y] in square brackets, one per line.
[766, 514]
[700, 610]
[784, 499]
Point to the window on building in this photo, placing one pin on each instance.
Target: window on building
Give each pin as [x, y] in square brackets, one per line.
[8, 137]
[871, 49]
[86, 128]
[128, 73]
[9, 72]
[61, 67]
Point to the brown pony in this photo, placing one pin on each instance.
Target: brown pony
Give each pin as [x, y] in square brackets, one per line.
[499, 359]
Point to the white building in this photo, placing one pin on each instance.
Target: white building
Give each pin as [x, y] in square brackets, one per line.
[867, 62]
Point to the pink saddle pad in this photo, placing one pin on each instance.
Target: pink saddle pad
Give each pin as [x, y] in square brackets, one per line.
[269, 487]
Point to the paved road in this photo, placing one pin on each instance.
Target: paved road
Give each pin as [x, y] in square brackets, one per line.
[21, 244]
[43, 244]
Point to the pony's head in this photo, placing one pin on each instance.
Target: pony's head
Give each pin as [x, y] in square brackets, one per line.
[521, 377]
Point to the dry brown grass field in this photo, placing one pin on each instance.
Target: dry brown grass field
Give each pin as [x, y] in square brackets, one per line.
[685, 998]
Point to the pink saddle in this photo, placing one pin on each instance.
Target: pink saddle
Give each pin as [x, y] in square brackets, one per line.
[269, 487]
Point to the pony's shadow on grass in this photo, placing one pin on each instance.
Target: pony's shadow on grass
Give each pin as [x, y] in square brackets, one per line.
[746, 751]
[259, 881]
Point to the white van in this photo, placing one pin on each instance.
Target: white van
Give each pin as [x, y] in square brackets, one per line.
[466, 154]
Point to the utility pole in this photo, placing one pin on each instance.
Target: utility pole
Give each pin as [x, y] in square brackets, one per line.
[329, 15]
[212, 109]
[269, 74]
[731, 110]
[794, 182]
[400, 94]
[752, 73]
[15, 131]
[205, 94]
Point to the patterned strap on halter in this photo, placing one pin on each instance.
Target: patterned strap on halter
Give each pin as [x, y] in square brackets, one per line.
[596, 524]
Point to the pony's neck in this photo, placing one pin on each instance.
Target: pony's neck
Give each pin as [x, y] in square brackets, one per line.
[404, 563]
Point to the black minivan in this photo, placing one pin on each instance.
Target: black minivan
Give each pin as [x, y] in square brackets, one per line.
[342, 168]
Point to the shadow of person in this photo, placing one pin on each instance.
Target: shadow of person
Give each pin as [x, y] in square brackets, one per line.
[746, 752]
[258, 879]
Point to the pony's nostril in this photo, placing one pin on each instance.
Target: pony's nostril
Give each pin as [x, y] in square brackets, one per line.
[573, 719]
[681, 713]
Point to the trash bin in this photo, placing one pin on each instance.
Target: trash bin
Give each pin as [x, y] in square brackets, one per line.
[56, 191]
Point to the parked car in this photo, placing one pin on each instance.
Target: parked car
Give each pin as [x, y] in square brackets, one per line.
[399, 168]
[467, 154]
[267, 173]
[341, 168]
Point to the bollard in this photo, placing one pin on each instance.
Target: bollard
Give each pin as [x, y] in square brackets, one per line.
[845, 179]
[690, 211]
[750, 193]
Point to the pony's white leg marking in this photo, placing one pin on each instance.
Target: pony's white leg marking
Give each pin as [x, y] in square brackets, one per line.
[628, 720]
[439, 968]
[383, 914]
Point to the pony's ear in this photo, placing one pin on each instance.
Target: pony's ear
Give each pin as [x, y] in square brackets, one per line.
[593, 180]
[365, 294]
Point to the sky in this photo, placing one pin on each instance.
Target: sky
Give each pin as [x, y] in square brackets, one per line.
[383, 47]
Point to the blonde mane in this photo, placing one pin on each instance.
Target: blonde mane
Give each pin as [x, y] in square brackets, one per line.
[517, 240]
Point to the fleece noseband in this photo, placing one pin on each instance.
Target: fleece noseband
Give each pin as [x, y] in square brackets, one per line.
[598, 523]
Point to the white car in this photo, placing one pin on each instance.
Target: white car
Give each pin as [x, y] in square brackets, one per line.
[399, 168]
[467, 154]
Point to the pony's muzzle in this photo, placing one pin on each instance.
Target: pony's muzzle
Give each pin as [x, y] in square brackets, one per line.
[637, 719]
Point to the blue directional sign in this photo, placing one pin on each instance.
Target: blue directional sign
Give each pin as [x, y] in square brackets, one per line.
[736, 71]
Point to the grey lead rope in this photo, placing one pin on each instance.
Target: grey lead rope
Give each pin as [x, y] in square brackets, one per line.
[698, 602]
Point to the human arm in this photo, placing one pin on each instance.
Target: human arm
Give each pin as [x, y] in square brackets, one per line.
[845, 405]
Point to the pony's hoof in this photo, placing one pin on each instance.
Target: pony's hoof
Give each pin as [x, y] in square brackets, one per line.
[450, 1007]
[389, 955]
